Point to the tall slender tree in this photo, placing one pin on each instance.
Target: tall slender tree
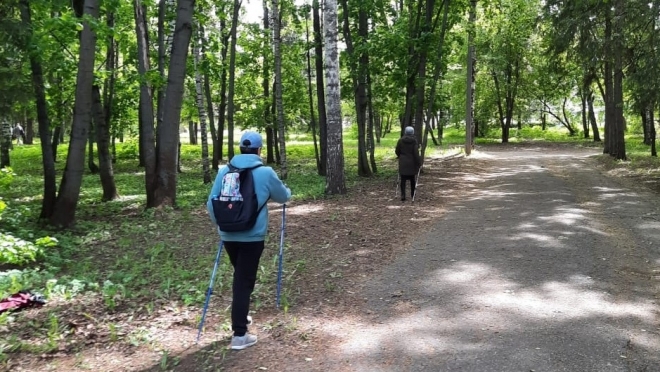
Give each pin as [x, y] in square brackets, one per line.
[232, 78]
[201, 110]
[47, 157]
[279, 105]
[469, 89]
[69, 193]
[335, 180]
[320, 87]
[146, 111]
[168, 135]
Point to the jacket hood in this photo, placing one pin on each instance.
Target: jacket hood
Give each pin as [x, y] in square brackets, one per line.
[246, 161]
[408, 139]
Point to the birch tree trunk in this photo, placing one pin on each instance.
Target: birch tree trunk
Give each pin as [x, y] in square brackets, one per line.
[168, 136]
[199, 89]
[335, 181]
[64, 210]
[279, 106]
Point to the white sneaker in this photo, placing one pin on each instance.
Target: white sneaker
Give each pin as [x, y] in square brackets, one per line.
[243, 342]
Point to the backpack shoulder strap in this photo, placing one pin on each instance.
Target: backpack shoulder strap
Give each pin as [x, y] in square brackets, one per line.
[266, 202]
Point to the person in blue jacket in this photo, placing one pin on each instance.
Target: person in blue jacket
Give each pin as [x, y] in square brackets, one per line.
[245, 247]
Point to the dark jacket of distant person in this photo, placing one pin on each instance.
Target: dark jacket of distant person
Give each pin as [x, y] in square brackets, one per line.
[407, 151]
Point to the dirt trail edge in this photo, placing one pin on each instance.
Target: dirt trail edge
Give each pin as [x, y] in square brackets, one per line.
[542, 264]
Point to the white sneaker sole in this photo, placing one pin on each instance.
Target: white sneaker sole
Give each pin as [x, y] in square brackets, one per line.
[241, 347]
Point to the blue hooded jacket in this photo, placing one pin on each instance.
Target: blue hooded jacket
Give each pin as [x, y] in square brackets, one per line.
[266, 185]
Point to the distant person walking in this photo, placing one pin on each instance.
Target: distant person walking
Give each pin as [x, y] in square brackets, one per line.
[19, 134]
[407, 151]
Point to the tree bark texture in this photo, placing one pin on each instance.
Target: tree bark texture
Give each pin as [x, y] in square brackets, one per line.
[199, 89]
[103, 144]
[146, 112]
[232, 79]
[47, 158]
[168, 138]
[279, 105]
[69, 193]
[320, 91]
[335, 180]
[311, 97]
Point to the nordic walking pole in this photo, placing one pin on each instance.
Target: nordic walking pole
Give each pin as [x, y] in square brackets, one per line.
[398, 180]
[416, 182]
[208, 291]
[279, 271]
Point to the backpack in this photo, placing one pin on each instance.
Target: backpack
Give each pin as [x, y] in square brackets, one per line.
[236, 208]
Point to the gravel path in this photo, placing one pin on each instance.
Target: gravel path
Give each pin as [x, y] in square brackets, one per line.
[541, 264]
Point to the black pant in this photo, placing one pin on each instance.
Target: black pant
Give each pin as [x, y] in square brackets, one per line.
[244, 257]
[403, 186]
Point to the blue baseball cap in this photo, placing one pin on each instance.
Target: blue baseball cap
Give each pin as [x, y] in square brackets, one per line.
[251, 140]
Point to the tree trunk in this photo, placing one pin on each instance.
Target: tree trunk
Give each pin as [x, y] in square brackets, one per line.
[103, 143]
[470, 86]
[644, 115]
[146, 112]
[168, 136]
[413, 63]
[201, 110]
[279, 105]
[436, 78]
[5, 142]
[47, 159]
[652, 133]
[426, 28]
[619, 149]
[585, 120]
[592, 117]
[223, 87]
[232, 79]
[357, 69]
[320, 91]
[268, 118]
[93, 168]
[607, 93]
[112, 61]
[192, 139]
[29, 131]
[55, 140]
[209, 108]
[335, 181]
[371, 142]
[311, 96]
[69, 193]
[162, 51]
